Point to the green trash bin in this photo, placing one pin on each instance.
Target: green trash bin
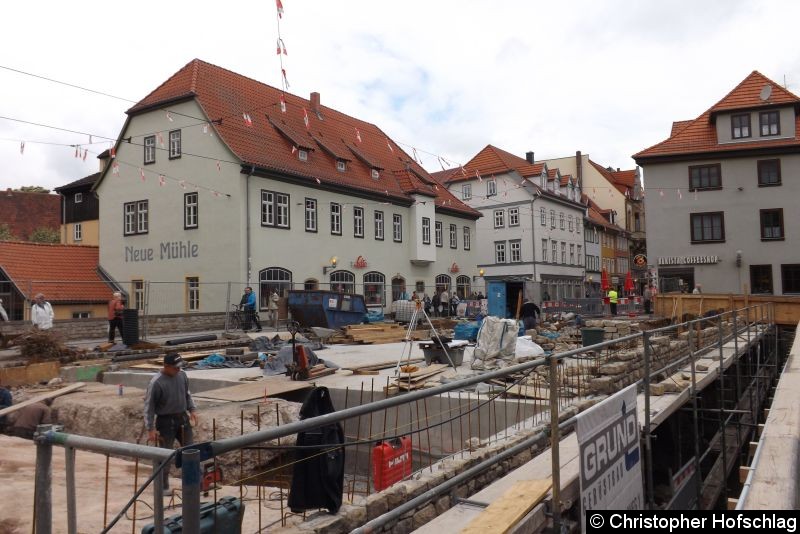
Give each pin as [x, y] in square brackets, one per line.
[592, 336]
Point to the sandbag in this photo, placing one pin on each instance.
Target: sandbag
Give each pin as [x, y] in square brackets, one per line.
[496, 343]
[526, 349]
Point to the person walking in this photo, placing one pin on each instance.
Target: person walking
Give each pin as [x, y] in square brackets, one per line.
[248, 304]
[273, 308]
[613, 298]
[648, 298]
[169, 410]
[41, 313]
[444, 298]
[529, 312]
[115, 307]
[31, 416]
[436, 303]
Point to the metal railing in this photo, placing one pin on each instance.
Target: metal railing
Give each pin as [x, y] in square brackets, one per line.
[511, 409]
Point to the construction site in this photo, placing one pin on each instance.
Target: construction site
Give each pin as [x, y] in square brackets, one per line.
[440, 434]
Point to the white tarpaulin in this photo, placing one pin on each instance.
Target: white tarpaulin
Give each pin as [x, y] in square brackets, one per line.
[497, 340]
[610, 455]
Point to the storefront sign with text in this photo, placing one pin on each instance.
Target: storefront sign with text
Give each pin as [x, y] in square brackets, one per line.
[170, 250]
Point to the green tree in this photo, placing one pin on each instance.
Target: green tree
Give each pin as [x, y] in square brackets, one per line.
[6, 234]
[45, 235]
[32, 189]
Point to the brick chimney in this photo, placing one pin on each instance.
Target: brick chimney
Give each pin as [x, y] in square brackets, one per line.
[529, 157]
[315, 102]
[579, 166]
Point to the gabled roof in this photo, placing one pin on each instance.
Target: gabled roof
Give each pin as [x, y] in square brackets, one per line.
[25, 212]
[623, 181]
[87, 180]
[492, 160]
[64, 273]
[677, 126]
[700, 135]
[267, 144]
[565, 179]
[597, 215]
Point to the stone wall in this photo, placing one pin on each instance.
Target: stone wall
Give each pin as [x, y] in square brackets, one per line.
[74, 329]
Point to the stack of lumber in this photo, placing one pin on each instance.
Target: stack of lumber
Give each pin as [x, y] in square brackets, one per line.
[367, 334]
[158, 363]
[318, 371]
[373, 368]
[443, 323]
[418, 379]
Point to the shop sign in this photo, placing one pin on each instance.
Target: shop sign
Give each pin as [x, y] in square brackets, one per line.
[454, 268]
[640, 260]
[360, 263]
[688, 260]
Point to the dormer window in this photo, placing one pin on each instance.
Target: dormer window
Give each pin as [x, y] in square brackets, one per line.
[341, 165]
[770, 122]
[491, 188]
[78, 198]
[740, 126]
[376, 174]
[302, 155]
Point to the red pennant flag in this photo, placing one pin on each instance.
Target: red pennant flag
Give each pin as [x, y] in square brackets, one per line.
[113, 152]
[281, 47]
[160, 138]
[389, 145]
[182, 183]
[115, 168]
[283, 104]
[305, 119]
[169, 117]
[279, 5]
[294, 149]
[161, 180]
[480, 178]
[141, 173]
[358, 136]
[247, 120]
[22, 147]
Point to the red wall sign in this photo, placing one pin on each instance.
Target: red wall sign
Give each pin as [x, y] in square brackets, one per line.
[454, 268]
[360, 263]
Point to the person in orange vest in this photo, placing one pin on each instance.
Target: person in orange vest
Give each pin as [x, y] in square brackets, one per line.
[613, 299]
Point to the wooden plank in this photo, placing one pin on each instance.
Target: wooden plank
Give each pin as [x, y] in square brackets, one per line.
[380, 365]
[732, 503]
[503, 514]
[254, 390]
[51, 395]
[29, 374]
[530, 392]
[743, 472]
[423, 371]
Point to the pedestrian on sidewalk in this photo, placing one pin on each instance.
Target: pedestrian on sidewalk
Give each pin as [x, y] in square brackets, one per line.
[648, 298]
[169, 410]
[273, 308]
[248, 304]
[613, 298]
[41, 313]
[444, 298]
[115, 307]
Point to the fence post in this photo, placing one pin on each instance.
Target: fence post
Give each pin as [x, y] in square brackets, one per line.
[699, 485]
[43, 492]
[228, 307]
[69, 463]
[158, 498]
[190, 478]
[555, 438]
[722, 406]
[647, 438]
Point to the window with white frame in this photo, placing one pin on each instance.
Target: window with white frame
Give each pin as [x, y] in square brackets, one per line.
[358, 221]
[561, 219]
[516, 251]
[563, 252]
[426, 231]
[397, 227]
[282, 203]
[580, 256]
[379, 225]
[376, 174]
[174, 144]
[467, 240]
[500, 252]
[453, 236]
[552, 218]
[491, 188]
[149, 149]
[137, 290]
[543, 216]
[438, 234]
[136, 217]
[499, 218]
[466, 191]
[274, 209]
[554, 250]
[78, 198]
[302, 154]
[343, 281]
[569, 223]
[336, 218]
[77, 232]
[341, 165]
[374, 288]
[572, 253]
[544, 250]
[192, 293]
[311, 215]
[578, 224]
[513, 216]
[190, 213]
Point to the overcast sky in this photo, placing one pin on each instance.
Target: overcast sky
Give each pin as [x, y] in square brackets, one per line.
[446, 77]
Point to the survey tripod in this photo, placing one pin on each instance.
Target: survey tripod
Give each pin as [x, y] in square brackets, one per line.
[408, 341]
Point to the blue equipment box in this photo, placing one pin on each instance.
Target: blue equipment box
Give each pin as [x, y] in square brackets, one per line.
[229, 514]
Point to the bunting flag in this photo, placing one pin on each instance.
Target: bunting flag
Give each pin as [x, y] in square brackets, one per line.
[285, 79]
[305, 119]
[416, 156]
[115, 168]
[160, 139]
[480, 178]
[169, 117]
[294, 149]
[22, 147]
[281, 47]
[441, 163]
[113, 152]
[463, 172]
[317, 179]
[247, 120]
[389, 145]
[215, 192]
[283, 104]
[85, 153]
[205, 128]
[680, 196]
[141, 173]
[76, 151]
[90, 139]
[219, 166]
[279, 6]
[161, 180]
[358, 136]
[695, 195]
[182, 183]
[661, 192]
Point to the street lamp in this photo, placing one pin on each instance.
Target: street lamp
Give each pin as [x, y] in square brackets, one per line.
[326, 268]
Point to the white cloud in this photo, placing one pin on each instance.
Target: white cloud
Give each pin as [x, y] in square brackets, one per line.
[607, 78]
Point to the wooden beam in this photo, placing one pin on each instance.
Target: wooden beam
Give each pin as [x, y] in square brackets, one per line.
[753, 447]
[504, 513]
[743, 472]
[732, 503]
[45, 396]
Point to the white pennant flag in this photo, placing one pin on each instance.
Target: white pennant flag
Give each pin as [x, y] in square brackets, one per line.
[141, 173]
[115, 168]
[22, 147]
[161, 180]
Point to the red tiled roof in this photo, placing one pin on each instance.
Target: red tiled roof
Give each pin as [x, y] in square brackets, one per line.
[622, 180]
[26, 212]
[225, 95]
[700, 135]
[64, 273]
[677, 126]
[492, 160]
[565, 178]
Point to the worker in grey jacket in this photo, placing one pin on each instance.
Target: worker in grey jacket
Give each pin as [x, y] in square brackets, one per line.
[168, 406]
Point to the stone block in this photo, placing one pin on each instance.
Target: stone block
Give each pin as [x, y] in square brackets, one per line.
[377, 504]
[442, 505]
[424, 515]
[614, 368]
[605, 384]
[657, 389]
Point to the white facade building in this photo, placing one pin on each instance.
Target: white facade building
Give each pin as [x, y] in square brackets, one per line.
[213, 182]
